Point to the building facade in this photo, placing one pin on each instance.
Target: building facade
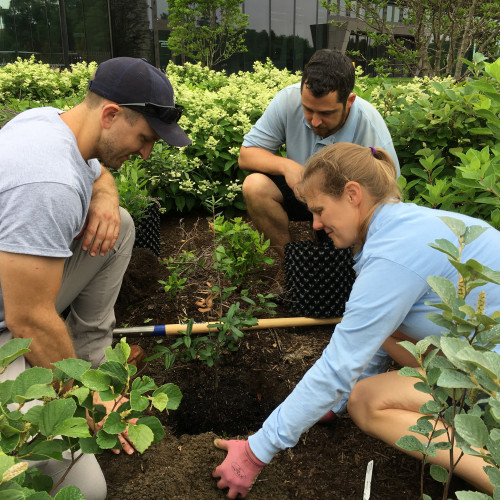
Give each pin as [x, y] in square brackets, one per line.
[61, 32]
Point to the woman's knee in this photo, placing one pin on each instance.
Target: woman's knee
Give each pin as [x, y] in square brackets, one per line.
[361, 404]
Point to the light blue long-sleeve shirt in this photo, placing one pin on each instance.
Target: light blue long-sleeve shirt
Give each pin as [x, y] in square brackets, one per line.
[389, 294]
[283, 122]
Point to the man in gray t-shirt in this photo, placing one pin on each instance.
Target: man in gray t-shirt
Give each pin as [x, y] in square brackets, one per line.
[319, 111]
[64, 242]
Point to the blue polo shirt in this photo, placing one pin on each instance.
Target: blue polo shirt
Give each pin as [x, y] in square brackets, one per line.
[283, 122]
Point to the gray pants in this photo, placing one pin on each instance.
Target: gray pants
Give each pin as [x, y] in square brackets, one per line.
[90, 286]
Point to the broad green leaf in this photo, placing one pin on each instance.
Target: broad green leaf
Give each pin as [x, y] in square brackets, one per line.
[74, 368]
[113, 424]
[423, 426]
[120, 353]
[69, 493]
[444, 288]
[473, 232]
[493, 475]
[472, 429]
[489, 361]
[80, 393]
[28, 378]
[6, 463]
[144, 384]
[439, 473]
[407, 371]
[12, 349]
[50, 449]
[455, 379]
[137, 401]
[89, 446]
[446, 247]
[107, 441]
[6, 391]
[471, 495]
[457, 226]
[114, 369]
[155, 425]
[410, 443]
[160, 401]
[174, 395]
[141, 437]
[96, 380]
[54, 413]
[39, 391]
[73, 427]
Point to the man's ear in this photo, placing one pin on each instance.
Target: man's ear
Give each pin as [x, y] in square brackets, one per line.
[353, 191]
[108, 114]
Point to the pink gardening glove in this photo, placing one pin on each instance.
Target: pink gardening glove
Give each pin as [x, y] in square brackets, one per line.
[240, 468]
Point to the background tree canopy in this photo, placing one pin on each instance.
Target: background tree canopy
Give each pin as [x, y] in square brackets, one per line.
[206, 31]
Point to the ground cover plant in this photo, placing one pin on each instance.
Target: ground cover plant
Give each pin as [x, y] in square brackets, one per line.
[60, 423]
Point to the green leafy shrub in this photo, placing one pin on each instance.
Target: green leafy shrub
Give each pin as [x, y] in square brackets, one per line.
[468, 370]
[131, 181]
[240, 249]
[435, 123]
[59, 422]
[38, 82]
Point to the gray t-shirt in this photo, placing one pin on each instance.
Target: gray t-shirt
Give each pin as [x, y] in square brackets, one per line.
[45, 186]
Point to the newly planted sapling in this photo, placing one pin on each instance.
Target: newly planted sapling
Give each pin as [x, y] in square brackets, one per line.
[58, 422]
[459, 370]
[240, 249]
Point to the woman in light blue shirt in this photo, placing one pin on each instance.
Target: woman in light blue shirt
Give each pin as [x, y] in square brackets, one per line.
[352, 193]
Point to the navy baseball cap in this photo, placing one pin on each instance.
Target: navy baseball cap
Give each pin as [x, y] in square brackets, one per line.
[135, 83]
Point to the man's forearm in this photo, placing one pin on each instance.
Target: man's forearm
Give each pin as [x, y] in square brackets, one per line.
[51, 340]
[260, 160]
[105, 184]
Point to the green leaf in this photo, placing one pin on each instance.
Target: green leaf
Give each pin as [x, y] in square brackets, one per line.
[119, 353]
[73, 427]
[407, 371]
[454, 379]
[471, 495]
[410, 443]
[143, 384]
[446, 247]
[69, 493]
[54, 413]
[155, 425]
[473, 232]
[50, 449]
[74, 368]
[457, 226]
[137, 401]
[493, 475]
[39, 391]
[89, 446]
[96, 380]
[160, 401]
[443, 287]
[12, 349]
[439, 473]
[472, 429]
[141, 436]
[27, 379]
[114, 369]
[113, 424]
[107, 441]
[174, 395]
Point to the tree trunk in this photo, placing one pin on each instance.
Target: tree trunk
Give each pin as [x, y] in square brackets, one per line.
[466, 40]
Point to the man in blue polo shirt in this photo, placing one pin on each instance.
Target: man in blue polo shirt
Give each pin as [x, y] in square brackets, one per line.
[319, 111]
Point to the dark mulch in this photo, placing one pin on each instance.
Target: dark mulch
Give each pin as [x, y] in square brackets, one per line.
[329, 462]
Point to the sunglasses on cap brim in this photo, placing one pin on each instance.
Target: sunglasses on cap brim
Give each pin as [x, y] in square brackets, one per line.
[167, 114]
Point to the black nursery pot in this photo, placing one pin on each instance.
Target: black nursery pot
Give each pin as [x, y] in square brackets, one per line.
[147, 231]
